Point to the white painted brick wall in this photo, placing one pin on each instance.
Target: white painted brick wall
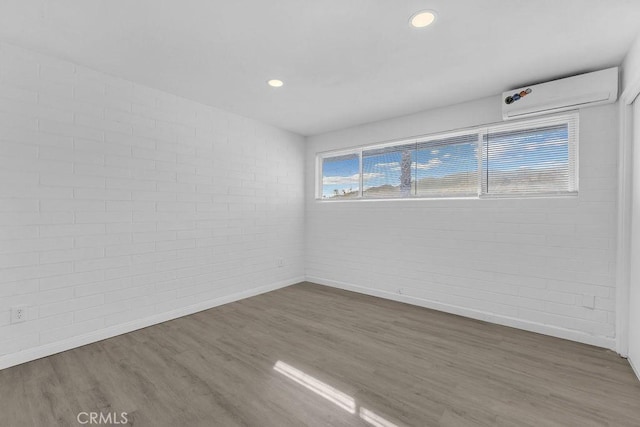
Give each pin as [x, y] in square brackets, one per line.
[119, 202]
[521, 262]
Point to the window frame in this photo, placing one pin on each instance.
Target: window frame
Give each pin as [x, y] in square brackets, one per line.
[336, 153]
[571, 119]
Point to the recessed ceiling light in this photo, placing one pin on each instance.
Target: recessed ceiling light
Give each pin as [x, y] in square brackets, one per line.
[422, 19]
[275, 83]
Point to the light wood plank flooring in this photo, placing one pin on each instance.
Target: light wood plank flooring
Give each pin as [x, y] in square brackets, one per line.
[312, 355]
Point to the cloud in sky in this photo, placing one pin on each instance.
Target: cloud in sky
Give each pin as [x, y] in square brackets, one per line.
[432, 163]
[395, 166]
[341, 180]
[372, 175]
[387, 165]
[502, 148]
[346, 180]
[535, 145]
[550, 164]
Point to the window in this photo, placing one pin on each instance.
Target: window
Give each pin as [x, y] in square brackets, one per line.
[515, 159]
[341, 176]
[534, 160]
[389, 171]
[448, 167]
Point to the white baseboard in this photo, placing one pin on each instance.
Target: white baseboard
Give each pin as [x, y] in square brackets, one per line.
[633, 366]
[526, 325]
[28, 355]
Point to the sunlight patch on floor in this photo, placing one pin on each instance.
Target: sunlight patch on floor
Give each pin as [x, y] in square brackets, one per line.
[332, 394]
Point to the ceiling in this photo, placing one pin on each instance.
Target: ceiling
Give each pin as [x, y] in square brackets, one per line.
[343, 62]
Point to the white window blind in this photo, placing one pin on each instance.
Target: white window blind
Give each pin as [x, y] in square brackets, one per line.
[533, 157]
[448, 167]
[389, 171]
[540, 158]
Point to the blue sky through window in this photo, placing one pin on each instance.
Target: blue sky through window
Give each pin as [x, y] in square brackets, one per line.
[536, 149]
[440, 161]
[533, 160]
[340, 175]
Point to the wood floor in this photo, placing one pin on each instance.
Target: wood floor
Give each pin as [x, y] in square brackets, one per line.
[311, 355]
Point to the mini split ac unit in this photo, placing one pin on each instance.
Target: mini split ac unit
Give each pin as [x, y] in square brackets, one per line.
[584, 90]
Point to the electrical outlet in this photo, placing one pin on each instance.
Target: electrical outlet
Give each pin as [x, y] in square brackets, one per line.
[18, 314]
[280, 262]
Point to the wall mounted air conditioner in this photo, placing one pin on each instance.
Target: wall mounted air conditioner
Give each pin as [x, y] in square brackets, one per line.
[584, 90]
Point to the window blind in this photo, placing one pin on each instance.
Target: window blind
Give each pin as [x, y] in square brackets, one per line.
[533, 157]
[447, 167]
[536, 159]
[389, 171]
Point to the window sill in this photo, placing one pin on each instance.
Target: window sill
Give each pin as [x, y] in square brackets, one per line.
[566, 195]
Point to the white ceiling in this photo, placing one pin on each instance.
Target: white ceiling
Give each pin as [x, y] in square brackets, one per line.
[344, 62]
